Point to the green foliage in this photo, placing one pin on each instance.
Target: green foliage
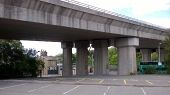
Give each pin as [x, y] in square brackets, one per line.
[74, 59]
[112, 53]
[11, 54]
[17, 62]
[32, 63]
[90, 57]
[138, 57]
[150, 70]
[168, 68]
[166, 44]
[154, 56]
[10, 51]
[60, 58]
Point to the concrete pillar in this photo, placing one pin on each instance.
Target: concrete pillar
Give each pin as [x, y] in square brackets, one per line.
[100, 57]
[82, 58]
[67, 58]
[127, 55]
[146, 54]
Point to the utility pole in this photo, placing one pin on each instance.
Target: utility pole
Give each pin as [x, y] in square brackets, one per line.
[159, 54]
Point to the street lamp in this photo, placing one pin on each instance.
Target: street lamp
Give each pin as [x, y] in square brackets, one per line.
[159, 54]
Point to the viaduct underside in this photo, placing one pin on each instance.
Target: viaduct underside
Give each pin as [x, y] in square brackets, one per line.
[50, 20]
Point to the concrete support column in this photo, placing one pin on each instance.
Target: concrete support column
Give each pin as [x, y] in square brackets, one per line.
[82, 58]
[100, 56]
[127, 55]
[67, 58]
[146, 54]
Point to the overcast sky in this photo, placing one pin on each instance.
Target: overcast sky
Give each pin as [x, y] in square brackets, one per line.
[153, 11]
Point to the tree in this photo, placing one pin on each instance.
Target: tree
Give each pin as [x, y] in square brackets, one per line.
[11, 56]
[90, 57]
[17, 62]
[166, 45]
[112, 54]
[34, 65]
[154, 56]
[74, 58]
[61, 60]
[138, 57]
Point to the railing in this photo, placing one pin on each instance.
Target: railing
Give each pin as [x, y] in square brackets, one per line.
[110, 12]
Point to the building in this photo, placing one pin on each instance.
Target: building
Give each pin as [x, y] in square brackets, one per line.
[50, 66]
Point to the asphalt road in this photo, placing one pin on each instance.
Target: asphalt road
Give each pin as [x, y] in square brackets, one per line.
[126, 85]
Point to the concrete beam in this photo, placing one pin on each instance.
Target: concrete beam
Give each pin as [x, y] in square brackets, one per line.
[69, 17]
[82, 58]
[100, 56]
[127, 55]
[124, 42]
[67, 58]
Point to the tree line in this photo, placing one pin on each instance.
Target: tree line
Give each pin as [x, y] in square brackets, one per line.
[15, 61]
[166, 45]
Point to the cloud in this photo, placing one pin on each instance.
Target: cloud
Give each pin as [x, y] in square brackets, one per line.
[144, 7]
[139, 9]
[164, 22]
[108, 4]
[52, 48]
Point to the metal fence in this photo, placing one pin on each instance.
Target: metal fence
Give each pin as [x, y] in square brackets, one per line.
[110, 12]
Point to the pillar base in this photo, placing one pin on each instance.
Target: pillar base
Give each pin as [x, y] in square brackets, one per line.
[67, 58]
[127, 61]
[82, 58]
[127, 55]
[100, 57]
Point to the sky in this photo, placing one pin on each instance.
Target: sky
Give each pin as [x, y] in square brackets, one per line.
[153, 11]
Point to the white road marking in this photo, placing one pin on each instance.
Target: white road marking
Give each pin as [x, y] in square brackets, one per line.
[143, 91]
[101, 81]
[125, 82]
[71, 90]
[12, 86]
[33, 90]
[105, 93]
[114, 79]
[133, 80]
[148, 82]
[80, 80]
[95, 79]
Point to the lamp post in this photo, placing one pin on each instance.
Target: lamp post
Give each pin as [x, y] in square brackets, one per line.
[159, 54]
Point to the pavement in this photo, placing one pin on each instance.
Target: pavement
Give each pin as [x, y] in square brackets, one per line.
[89, 85]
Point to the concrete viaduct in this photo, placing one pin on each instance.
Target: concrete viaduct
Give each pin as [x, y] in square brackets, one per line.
[69, 22]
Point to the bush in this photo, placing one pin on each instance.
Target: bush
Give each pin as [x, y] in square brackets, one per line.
[16, 62]
[150, 70]
[166, 45]
[168, 69]
[167, 63]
